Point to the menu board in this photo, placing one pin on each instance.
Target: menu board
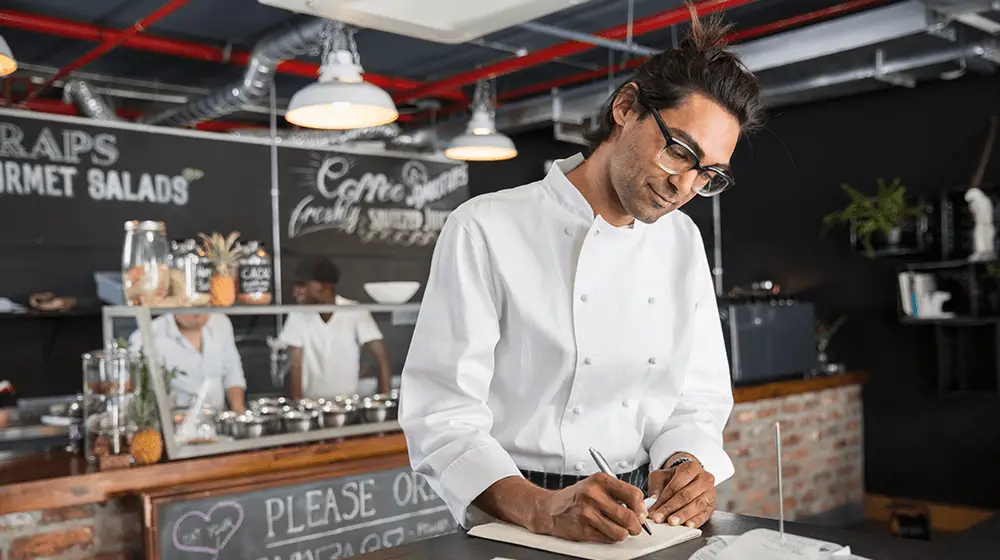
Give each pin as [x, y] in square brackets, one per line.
[354, 204]
[312, 520]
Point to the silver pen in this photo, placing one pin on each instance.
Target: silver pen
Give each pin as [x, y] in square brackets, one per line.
[606, 469]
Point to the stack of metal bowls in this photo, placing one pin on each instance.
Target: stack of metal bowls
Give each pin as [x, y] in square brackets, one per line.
[376, 410]
[247, 426]
[296, 421]
[335, 415]
[271, 418]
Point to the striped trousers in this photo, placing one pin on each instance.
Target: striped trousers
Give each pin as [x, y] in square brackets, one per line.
[639, 477]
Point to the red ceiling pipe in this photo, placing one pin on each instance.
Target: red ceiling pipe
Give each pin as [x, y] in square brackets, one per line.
[734, 37]
[541, 56]
[186, 49]
[138, 27]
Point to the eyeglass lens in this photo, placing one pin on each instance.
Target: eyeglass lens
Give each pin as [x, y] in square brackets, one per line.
[677, 158]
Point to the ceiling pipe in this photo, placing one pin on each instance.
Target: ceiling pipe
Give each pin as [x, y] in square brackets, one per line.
[324, 138]
[269, 52]
[188, 49]
[56, 107]
[595, 40]
[541, 56]
[742, 35]
[88, 102]
[109, 44]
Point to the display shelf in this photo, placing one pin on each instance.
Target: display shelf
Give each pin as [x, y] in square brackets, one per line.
[180, 450]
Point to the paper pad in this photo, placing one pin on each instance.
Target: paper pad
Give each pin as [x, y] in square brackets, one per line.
[633, 547]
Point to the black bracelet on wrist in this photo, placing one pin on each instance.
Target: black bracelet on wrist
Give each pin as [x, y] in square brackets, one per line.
[680, 461]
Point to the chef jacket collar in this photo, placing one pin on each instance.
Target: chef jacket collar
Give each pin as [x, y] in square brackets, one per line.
[570, 197]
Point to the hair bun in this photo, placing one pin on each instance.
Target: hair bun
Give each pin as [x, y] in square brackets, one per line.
[706, 37]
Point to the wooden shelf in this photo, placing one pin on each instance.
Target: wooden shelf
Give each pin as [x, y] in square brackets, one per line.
[797, 386]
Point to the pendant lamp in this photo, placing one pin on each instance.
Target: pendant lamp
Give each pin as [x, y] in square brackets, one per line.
[341, 99]
[481, 141]
[7, 61]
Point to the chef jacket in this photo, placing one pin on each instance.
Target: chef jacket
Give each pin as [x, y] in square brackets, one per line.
[545, 331]
[218, 361]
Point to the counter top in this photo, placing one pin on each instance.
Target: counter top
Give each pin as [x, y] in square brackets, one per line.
[797, 386]
[459, 546]
[59, 479]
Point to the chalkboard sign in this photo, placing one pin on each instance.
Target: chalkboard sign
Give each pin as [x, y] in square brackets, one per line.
[304, 519]
[354, 204]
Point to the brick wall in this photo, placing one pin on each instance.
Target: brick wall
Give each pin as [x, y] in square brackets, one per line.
[821, 454]
[108, 531]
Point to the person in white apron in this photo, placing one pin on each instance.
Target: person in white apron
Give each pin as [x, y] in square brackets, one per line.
[579, 311]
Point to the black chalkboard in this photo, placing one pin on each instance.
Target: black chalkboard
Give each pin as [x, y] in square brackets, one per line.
[313, 520]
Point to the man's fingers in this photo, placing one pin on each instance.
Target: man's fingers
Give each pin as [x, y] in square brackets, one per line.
[694, 508]
[625, 493]
[596, 519]
[616, 512]
[657, 480]
[700, 519]
[681, 476]
[667, 504]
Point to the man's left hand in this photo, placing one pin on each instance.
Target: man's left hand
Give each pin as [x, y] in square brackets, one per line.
[685, 494]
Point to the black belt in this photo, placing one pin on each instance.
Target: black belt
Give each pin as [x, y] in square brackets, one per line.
[639, 477]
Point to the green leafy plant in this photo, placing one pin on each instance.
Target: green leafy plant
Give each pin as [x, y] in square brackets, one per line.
[884, 212]
[144, 410]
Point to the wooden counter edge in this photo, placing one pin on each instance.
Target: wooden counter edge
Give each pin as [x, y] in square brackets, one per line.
[99, 487]
[797, 386]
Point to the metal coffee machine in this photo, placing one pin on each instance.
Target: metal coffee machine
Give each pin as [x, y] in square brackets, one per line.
[768, 336]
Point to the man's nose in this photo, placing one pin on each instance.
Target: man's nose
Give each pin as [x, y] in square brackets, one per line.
[684, 182]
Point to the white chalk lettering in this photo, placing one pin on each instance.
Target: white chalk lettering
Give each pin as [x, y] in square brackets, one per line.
[275, 511]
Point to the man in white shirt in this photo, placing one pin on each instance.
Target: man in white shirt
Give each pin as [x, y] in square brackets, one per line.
[325, 347]
[203, 348]
[579, 312]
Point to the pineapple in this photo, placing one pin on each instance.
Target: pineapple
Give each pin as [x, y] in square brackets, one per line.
[147, 442]
[223, 253]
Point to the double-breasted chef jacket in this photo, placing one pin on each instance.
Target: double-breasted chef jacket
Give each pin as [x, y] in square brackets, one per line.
[545, 331]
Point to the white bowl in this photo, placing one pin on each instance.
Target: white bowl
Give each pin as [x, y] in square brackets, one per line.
[392, 292]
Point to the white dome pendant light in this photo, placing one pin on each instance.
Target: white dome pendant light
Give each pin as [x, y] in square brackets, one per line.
[7, 61]
[481, 141]
[341, 99]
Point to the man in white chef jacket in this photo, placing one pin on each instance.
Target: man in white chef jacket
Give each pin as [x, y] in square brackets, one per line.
[579, 311]
[326, 347]
[202, 347]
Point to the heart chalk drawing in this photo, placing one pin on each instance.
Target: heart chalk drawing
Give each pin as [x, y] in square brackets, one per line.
[223, 529]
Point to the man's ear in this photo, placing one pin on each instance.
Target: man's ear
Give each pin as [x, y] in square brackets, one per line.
[623, 106]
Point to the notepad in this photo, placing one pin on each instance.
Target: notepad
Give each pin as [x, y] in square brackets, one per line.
[664, 536]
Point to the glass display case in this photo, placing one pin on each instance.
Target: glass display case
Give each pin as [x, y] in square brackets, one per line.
[195, 429]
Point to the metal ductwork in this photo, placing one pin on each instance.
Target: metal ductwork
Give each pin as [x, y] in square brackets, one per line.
[89, 102]
[267, 54]
[324, 138]
[422, 140]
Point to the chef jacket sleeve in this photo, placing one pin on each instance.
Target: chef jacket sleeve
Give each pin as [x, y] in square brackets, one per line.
[366, 330]
[292, 331]
[695, 425]
[446, 378]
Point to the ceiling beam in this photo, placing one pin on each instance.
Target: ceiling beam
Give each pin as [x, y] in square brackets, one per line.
[188, 49]
[108, 44]
[568, 48]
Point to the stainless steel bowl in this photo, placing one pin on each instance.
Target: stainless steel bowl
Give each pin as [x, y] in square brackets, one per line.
[247, 426]
[224, 422]
[295, 421]
[315, 418]
[309, 404]
[268, 402]
[336, 416]
[271, 417]
[375, 411]
[394, 395]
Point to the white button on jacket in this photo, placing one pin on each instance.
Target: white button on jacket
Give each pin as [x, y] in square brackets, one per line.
[493, 363]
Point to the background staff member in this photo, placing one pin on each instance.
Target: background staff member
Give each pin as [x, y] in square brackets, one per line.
[202, 347]
[579, 311]
[325, 347]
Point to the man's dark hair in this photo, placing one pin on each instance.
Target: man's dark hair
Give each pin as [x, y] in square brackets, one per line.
[702, 64]
[317, 269]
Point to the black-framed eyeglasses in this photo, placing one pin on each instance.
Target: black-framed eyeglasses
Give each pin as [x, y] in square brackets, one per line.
[678, 157]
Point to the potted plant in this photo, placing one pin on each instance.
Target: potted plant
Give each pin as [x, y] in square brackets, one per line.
[223, 253]
[885, 213]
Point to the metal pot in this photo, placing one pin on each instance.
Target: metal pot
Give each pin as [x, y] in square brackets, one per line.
[295, 421]
[271, 417]
[247, 426]
[315, 418]
[224, 422]
[376, 411]
[337, 416]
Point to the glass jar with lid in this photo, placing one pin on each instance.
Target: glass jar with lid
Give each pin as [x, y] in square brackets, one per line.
[145, 263]
[109, 386]
[255, 275]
